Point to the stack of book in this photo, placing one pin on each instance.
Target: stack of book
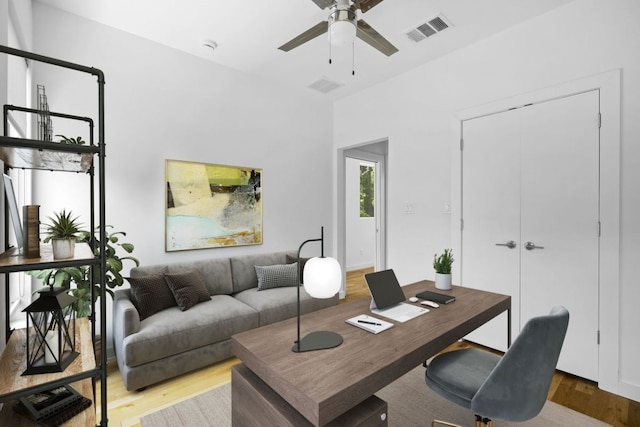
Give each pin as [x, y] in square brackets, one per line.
[52, 407]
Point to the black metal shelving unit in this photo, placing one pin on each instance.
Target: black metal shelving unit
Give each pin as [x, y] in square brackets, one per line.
[53, 156]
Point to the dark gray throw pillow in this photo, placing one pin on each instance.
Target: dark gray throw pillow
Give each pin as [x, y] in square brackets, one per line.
[150, 294]
[188, 288]
[292, 259]
[277, 276]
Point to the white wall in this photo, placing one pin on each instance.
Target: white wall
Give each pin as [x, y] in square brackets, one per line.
[162, 104]
[360, 232]
[417, 111]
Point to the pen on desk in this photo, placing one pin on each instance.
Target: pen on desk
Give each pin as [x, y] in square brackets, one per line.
[369, 323]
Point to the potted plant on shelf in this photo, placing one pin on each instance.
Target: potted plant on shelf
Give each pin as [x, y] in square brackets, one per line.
[65, 140]
[86, 278]
[62, 231]
[442, 265]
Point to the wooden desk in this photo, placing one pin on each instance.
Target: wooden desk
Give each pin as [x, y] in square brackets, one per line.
[323, 385]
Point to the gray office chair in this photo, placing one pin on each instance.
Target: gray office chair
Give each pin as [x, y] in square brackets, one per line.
[513, 387]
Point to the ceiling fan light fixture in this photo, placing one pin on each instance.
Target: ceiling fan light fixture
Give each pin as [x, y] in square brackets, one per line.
[342, 25]
[342, 33]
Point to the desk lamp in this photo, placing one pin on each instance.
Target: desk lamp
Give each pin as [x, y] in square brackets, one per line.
[321, 279]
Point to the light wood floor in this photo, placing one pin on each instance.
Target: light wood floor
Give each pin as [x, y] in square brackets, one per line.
[126, 408]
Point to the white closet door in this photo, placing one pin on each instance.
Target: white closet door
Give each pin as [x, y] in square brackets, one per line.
[491, 212]
[532, 175]
[559, 212]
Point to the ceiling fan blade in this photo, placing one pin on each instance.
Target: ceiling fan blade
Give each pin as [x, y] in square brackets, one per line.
[313, 32]
[374, 38]
[365, 5]
[323, 4]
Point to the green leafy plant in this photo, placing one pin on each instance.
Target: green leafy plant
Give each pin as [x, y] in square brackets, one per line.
[62, 225]
[367, 191]
[442, 263]
[65, 140]
[84, 277]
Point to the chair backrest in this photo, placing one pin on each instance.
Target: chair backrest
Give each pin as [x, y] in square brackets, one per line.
[517, 388]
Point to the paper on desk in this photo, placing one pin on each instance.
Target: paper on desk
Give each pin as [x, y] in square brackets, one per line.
[374, 329]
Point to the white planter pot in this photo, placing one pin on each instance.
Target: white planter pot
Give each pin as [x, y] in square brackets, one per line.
[63, 248]
[443, 281]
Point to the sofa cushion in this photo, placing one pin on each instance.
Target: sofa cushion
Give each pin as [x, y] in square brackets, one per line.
[244, 273]
[274, 305]
[173, 331]
[216, 273]
[148, 270]
[277, 276]
[150, 294]
[187, 288]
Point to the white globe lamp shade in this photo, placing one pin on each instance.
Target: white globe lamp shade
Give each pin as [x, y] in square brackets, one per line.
[342, 32]
[322, 277]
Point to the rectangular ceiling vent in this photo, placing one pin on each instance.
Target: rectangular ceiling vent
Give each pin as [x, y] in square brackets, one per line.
[324, 85]
[429, 28]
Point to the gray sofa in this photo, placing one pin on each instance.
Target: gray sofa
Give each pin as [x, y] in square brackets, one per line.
[172, 342]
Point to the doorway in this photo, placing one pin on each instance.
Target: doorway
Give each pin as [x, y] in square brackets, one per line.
[364, 235]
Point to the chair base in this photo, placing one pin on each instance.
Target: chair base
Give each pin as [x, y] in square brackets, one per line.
[483, 421]
[480, 422]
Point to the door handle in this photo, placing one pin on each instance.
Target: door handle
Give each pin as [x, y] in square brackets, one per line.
[510, 244]
[531, 246]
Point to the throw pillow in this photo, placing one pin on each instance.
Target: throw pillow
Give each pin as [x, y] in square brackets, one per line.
[188, 288]
[292, 259]
[150, 294]
[277, 276]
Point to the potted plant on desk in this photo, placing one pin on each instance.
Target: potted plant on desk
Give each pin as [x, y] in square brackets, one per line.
[442, 265]
[62, 232]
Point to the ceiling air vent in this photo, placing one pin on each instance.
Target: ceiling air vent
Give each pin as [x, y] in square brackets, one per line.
[324, 85]
[429, 28]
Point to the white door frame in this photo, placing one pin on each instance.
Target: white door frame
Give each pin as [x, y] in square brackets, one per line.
[374, 152]
[609, 271]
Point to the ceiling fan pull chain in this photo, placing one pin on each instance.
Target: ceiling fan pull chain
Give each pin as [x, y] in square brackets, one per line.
[353, 58]
[329, 47]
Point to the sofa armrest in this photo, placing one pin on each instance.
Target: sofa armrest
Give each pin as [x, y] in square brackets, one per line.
[126, 320]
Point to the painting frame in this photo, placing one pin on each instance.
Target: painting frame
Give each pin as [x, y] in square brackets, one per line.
[210, 205]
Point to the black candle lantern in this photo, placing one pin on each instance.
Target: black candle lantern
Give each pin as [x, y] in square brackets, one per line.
[51, 332]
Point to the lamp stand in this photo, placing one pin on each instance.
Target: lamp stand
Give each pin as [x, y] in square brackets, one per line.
[318, 340]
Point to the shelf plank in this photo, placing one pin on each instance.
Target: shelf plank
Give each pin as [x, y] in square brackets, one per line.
[25, 158]
[46, 155]
[13, 260]
[13, 361]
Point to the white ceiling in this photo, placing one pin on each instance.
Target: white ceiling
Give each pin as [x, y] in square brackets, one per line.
[249, 32]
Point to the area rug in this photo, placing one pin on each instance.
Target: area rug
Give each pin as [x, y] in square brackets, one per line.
[411, 403]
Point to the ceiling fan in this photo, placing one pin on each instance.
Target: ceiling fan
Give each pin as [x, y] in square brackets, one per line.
[344, 26]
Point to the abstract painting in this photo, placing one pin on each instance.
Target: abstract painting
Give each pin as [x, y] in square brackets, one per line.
[211, 206]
